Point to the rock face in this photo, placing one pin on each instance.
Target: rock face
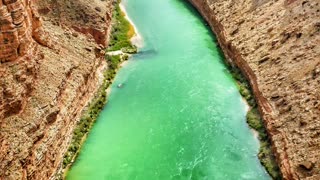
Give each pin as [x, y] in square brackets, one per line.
[15, 26]
[276, 46]
[51, 54]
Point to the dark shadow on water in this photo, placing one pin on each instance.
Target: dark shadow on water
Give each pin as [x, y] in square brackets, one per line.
[213, 39]
[144, 54]
[229, 69]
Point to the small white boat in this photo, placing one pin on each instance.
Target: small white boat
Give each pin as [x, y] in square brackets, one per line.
[120, 85]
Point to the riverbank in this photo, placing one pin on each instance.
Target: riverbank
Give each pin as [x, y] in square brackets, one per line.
[133, 33]
[122, 32]
[118, 52]
[255, 122]
[245, 80]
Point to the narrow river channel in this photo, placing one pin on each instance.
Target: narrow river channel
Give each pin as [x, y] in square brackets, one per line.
[179, 115]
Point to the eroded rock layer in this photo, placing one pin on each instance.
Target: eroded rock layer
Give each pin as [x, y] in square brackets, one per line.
[49, 71]
[276, 45]
[15, 29]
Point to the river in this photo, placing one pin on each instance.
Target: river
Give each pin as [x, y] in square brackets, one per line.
[178, 115]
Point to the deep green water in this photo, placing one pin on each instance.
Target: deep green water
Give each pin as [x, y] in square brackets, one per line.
[179, 114]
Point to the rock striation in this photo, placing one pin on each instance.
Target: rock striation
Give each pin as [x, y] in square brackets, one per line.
[16, 31]
[275, 43]
[51, 59]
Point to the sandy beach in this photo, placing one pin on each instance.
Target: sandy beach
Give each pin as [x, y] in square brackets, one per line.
[137, 38]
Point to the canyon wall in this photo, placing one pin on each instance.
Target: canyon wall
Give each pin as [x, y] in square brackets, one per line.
[276, 44]
[51, 59]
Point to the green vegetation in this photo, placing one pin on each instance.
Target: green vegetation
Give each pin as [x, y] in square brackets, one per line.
[93, 110]
[121, 33]
[85, 123]
[120, 40]
[254, 120]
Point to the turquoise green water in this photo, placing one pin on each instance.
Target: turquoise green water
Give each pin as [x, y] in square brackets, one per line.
[178, 116]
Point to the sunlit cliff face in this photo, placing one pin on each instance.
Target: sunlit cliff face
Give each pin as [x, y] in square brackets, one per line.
[275, 44]
[16, 29]
[48, 73]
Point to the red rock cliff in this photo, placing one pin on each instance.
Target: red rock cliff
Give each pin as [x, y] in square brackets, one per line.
[16, 29]
[276, 45]
[51, 55]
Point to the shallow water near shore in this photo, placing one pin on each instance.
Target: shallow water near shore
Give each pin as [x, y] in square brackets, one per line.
[178, 114]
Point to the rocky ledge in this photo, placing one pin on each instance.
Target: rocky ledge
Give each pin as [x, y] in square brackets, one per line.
[275, 43]
[51, 56]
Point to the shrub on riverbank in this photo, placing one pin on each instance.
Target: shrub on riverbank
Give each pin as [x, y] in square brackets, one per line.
[265, 154]
[254, 120]
[93, 110]
[85, 124]
[121, 33]
[119, 41]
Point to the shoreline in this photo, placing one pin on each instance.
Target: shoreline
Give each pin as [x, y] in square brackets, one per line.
[247, 88]
[254, 121]
[99, 100]
[254, 132]
[136, 39]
